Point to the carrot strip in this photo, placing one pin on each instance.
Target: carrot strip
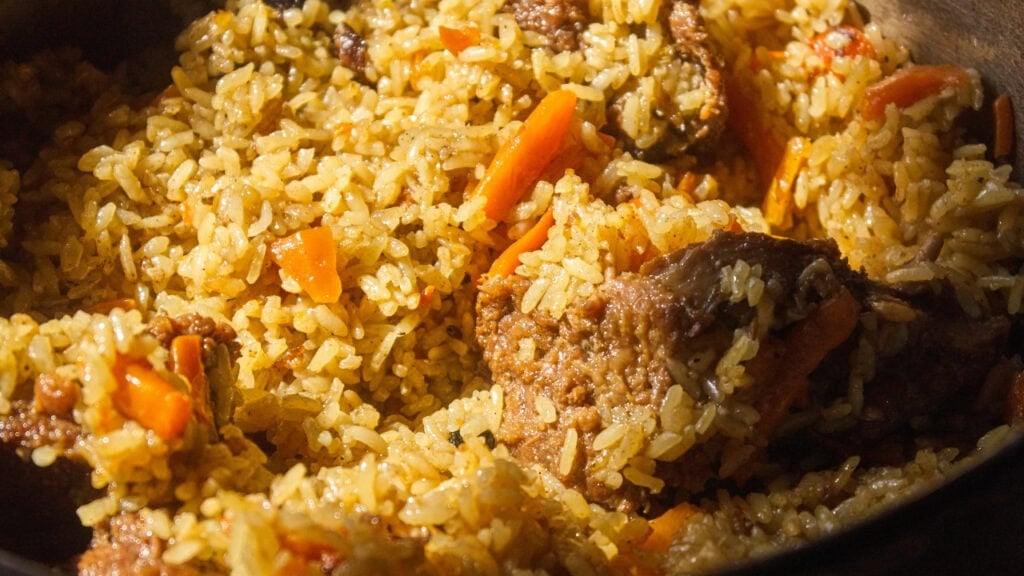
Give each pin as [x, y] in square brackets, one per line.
[534, 238]
[745, 122]
[145, 396]
[1002, 110]
[520, 162]
[642, 254]
[310, 256]
[687, 185]
[573, 154]
[187, 361]
[778, 201]
[455, 40]
[666, 526]
[733, 225]
[806, 346]
[910, 85]
[427, 296]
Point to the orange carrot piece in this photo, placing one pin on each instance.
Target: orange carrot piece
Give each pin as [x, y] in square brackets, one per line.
[666, 526]
[520, 162]
[145, 396]
[642, 254]
[806, 346]
[778, 201]
[574, 154]
[310, 256]
[856, 44]
[455, 40]
[1002, 110]
[910, 85]
[187, 362]
[534, 238]
[427, 296]
[687, 185]
[745, 122]
[733, 225]
[571, 154]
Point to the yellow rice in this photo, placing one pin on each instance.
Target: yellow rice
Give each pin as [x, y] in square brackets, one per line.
[172, 200]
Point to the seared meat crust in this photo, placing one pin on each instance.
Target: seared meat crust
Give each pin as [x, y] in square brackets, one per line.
[623, 348]
[561, 21]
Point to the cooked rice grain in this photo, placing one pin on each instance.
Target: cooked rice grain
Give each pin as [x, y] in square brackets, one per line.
[369, 416]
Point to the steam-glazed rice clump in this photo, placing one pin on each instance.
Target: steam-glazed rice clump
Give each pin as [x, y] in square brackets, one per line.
[501, 287]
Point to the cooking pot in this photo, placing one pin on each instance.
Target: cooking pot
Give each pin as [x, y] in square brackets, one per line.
[972, 524]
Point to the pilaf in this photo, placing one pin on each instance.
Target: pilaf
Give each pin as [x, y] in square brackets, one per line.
[249, 303]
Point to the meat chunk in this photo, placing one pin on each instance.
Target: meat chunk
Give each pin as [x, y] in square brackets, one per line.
[53, 394]
[682, 323]
[27, 429]
[691, 67]
[126, 546]
[351, 50]
[691, 43]
[165, 329]
[945, 355]
[626, 345]
[688, 108]
[560, 21]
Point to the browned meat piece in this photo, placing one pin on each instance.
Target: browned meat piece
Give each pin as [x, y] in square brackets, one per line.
[692, 277]
[126, 547]
[37, 505]
[619, 347]
[351, 50]
[270, 117]
[25, 428]
[640, 334]
[688, 128]
[165, 329]
[691, 42]
[944, 356]
[54, 395]
[561, 21]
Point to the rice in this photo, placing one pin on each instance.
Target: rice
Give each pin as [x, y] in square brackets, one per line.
[365, 426]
